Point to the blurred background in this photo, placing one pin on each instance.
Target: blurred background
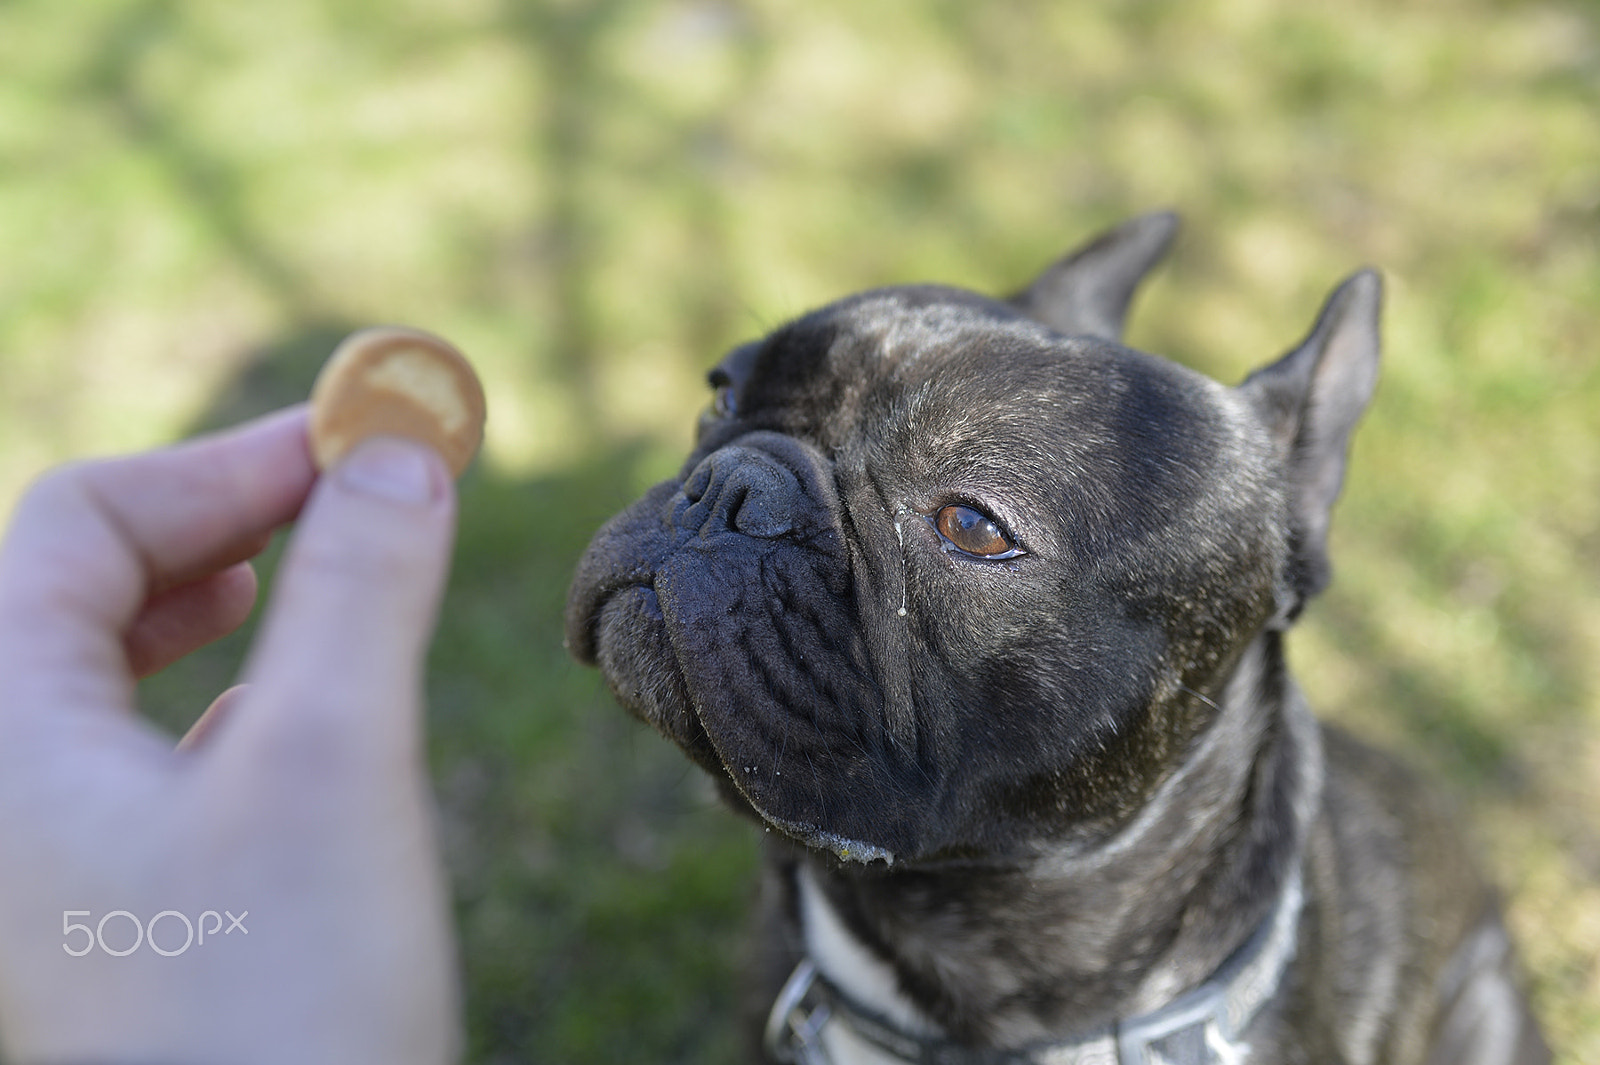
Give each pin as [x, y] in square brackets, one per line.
[596, 198]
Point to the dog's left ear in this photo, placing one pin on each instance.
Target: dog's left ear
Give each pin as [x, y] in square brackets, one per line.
[1310, 401]
[1088, 292]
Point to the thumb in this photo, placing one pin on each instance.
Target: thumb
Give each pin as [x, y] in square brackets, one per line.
[338, 660]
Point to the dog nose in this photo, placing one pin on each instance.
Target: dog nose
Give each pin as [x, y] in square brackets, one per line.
[742, 489]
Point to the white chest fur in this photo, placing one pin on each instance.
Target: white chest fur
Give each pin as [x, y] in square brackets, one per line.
[859, 974]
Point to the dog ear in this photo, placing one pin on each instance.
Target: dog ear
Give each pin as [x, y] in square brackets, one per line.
[1087, 293]
[1310, 401]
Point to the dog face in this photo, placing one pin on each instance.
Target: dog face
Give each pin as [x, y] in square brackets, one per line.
[947, 577]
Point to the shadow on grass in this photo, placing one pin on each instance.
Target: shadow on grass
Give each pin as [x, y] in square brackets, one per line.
[600, 891]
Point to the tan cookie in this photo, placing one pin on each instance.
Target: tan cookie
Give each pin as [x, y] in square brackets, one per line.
[397, 382]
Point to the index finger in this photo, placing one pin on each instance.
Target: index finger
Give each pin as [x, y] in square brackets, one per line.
[90, 542]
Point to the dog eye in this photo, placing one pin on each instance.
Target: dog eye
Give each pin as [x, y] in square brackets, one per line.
[973, 532]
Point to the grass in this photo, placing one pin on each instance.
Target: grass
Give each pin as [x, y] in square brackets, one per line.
[597, 197]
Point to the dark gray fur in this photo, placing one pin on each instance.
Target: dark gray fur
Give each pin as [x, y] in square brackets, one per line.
[1057, 789]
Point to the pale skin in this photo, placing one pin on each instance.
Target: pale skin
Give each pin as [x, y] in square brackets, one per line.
[300, 798]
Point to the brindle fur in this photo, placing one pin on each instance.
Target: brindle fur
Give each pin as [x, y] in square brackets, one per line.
[1050, 791]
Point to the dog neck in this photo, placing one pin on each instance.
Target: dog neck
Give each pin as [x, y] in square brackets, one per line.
[1067, 943]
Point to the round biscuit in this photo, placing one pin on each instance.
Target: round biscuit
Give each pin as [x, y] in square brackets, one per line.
[394, 381]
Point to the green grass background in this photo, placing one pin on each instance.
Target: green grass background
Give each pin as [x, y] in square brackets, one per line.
[595, 198]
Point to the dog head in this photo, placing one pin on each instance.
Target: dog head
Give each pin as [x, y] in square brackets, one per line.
[947, 576]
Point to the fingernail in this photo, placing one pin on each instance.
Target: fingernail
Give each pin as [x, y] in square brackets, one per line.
[397, 470]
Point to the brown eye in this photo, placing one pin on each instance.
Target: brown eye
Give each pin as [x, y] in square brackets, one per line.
[723, 405]
[973, 532]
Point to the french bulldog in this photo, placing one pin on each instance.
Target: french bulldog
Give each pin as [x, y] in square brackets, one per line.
[982, 615]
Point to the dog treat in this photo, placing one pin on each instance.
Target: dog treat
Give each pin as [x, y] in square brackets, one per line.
[398, 382]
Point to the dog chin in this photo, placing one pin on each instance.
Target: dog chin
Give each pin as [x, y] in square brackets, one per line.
[845, 850]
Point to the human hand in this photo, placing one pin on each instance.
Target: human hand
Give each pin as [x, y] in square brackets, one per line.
[300, 799]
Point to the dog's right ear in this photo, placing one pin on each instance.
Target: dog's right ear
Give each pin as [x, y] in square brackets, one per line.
[1088, 292]
[1310, 401]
